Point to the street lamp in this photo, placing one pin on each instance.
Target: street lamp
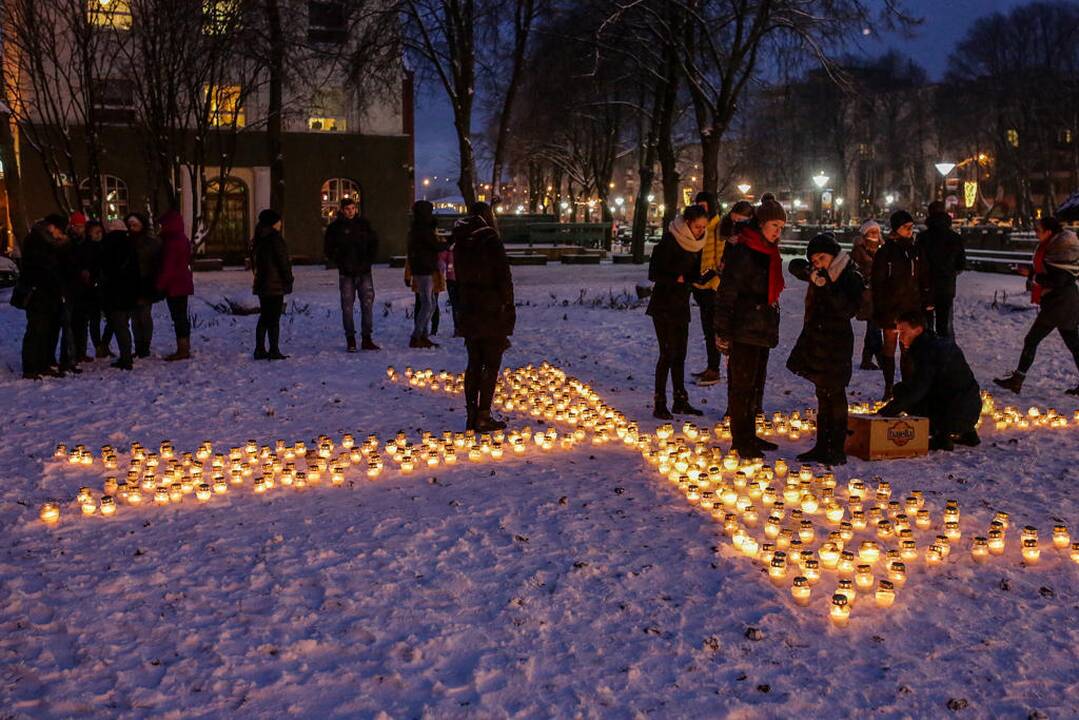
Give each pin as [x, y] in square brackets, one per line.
[744, 188]
[889, 199]
[944, 168]
[820, 180]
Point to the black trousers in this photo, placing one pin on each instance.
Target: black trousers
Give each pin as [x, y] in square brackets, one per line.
[706, 299]
[38, 341]
[481, 375]
[673, 339]
[271, 307]
[142, 328]
[831, 419]
[745, 387]
[178, 313]
[86, 325]
[66, 327]
[1040, 330]
[120, 326]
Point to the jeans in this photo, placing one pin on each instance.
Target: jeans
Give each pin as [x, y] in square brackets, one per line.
[142, 327]
[37, 342]
[271, 307]
[673, 338]
[178, 311]
[351, 286]
[706, 299]
[481, 375]
[425, 305]
[745, 371]
[1040, 330]
[942, 316]
[119, 324]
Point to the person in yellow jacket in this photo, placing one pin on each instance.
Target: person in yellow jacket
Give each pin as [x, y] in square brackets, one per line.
[720, 229]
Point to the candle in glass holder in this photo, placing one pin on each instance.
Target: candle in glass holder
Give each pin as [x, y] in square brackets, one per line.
[108, 505]
[49, 513]
[869, 552]
[203, 492]
[1061, 537]
[161, 496]
[840, 610]
[777, 571]
[996, 542]
[801, 591]
[829, 555]
[897, 574]
[1002, 518]
[845, 586]
[934, 555]
[979, 549]
[1074, 552]
[845, 566]
[885, 595]
[922, 520]
[1031, 552]
[811, 569]
[863, 577]
[805, 531]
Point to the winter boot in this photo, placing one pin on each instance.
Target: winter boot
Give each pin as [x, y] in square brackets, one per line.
[887, 366]
[708, 377]
[101, 352]
[183, 350]
[414, 342]
[124, 363]
[661, 412]
[681, 405]
[485, 423]
[368, 344]
[1013, 382]
[350, 341]
[816, 454]
[276, 355]
[969, 438]
[941, 442]
[867, 362]
[261, 354]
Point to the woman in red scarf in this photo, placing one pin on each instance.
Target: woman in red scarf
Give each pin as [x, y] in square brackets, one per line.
[1054, 290]
[747, 320]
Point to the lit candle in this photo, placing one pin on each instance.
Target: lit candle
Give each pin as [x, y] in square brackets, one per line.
[811, 570]
[108, 505]
[922, 520]
[863, 577]
[1074, 552]
[846, 587]
[806, 532]
[89, 506]
[934, 555]
[49, 512]
[1031, 552]
[979, 549]
[845, 566]
[1061, 537]
[777, 571]
[840, 610]
[801, 591]
[897, 574]
[885, 594]
[203, 492]
[869, 552]
[829, 555]
[996, 542]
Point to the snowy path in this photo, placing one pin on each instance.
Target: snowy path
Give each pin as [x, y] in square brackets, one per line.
[576, 585]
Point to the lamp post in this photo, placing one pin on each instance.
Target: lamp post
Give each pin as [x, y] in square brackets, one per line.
[944, 168]
[839, 209]
[820, 180]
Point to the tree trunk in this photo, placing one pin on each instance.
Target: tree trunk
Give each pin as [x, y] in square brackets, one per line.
[524, 12]
[274, 132]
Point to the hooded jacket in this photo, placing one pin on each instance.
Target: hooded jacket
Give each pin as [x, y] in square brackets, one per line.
[174, 279]
[485, 304]
[944, 252]
[41, 270]
[352, 245]
[901, 281]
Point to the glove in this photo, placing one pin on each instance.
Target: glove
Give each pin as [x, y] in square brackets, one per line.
[723, 345]
[707, 276]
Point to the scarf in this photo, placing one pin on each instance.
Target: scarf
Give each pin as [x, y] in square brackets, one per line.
[839, 264]
[1039, 267]
[752, 239]
[682, 234]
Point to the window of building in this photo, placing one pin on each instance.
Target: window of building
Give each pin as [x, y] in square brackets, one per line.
[328, 112]
[1064, 137]
[113, 194]
[114, 100]
[228, 223]
[326, 22]
[334, 191]
[220, 16]
[1012, 136]
[226, 105]
[111, 14]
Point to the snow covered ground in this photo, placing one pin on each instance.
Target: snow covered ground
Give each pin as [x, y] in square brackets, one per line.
[576, 584]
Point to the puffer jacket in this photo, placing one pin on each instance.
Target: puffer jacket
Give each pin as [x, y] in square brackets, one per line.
[352, 245]
[901, 281]
[485, 306]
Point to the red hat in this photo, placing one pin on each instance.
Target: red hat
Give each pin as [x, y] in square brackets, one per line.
[77, 218]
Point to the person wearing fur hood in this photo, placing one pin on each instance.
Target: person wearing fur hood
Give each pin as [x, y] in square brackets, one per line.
[1053, 288]
[673, 268]
[823, 351]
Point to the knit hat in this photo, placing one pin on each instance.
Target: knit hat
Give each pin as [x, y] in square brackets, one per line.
[937, 206]
[743, 207]
[77, 218]
[899, 219]
[710, 202]
[768, 197]
[867, 226]
[770, 210]
[268, 217]
[823, 243]
[57, 220]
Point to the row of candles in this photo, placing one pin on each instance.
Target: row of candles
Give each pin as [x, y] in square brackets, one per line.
[797, 525]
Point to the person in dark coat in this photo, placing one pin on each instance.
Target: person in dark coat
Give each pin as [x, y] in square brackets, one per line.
[1054, 290]
[486, 314]
[273, 281]
[674, 267]
[71, 291]
[41, 286]
[423, 249]
[946, 257]
[352, 245]
[148, 246]
[747, 319]
[823, 351]
[941, 386]
[175, 280]
[901, 283]
[120, 284]
[862, 253]
[87, 317]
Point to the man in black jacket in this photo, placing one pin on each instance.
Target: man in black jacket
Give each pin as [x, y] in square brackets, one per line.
[352, 244]
[942, 386]
[944, 252]
[42, 280]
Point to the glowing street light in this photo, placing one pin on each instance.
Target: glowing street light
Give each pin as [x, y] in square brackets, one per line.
[744, 188]
[651, 197]
[889, 199]
[820, 180]
[944, 168]
[620, 201]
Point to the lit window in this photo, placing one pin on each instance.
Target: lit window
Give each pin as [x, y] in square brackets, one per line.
[334, 191]
[326, 124]
[226, 105]
[1064, 137]
[113, 194]
[220, 16]
[1013, 137]
[328, 111]
[113, 14]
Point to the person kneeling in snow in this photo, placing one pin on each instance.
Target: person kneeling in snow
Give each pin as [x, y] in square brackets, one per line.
[823, 351]
[942, 386]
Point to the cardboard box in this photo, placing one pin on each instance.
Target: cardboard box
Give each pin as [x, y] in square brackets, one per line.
[872, 437]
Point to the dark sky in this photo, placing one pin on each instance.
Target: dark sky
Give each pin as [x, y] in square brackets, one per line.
[945, 23]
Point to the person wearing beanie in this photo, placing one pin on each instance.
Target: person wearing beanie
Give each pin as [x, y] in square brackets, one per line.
[673, 268]
[148, 246]
[273, 281]
[946, 256]
[175, 280]
[747, 320]
[901, 283]
[823, 351]
[704, 290]
[352, 245]
[1054, 289]
[768, 198]
[866, 244]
